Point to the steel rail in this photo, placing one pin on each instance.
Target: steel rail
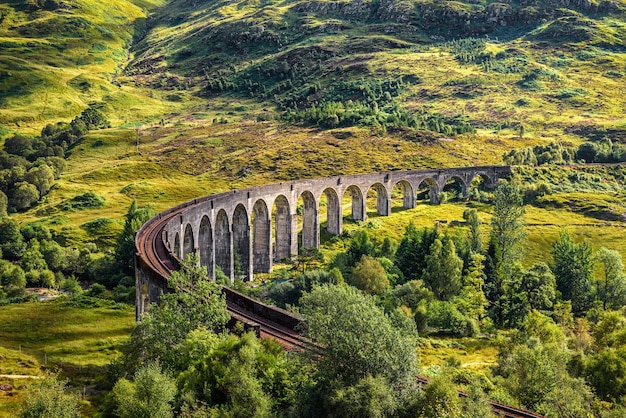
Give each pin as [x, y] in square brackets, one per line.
[152, 251]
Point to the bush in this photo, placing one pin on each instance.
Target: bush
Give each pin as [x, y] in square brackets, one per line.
[445, 316]
[88, 200]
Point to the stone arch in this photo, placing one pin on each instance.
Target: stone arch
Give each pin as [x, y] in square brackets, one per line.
[333, 211]
[358, 203]
[429, 187]
[188, 243]
[283, 224]
[223, 245]
[485, 179]
[456, 186]
[408, 195]
[383, 205]
[205, 245]
[177, 245]
[310, 221]
[261, 238]
[241, 240]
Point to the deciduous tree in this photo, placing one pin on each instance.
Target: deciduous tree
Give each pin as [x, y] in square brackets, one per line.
[369, 276]
[443, 269]
[612, 285]
[573, 268]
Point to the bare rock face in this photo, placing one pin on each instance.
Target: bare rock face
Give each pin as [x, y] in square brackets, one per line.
[394, 11]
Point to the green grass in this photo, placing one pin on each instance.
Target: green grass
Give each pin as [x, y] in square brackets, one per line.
[52, 336]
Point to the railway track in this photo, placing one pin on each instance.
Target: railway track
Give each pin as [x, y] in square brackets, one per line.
[152, 251]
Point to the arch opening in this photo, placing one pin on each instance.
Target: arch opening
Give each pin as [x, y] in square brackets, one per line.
[358, 203]
[241, 243]
[480, 188]
[402, 196]
[223, 257]
[454, 190]
[188, 244]
[379, 192]
[308, 221]
[428, 191]
[331, 201]
[261, 238]
[205, 245]
[282, 229]
[177, 245]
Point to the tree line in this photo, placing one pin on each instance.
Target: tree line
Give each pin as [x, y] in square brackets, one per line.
[29, 166]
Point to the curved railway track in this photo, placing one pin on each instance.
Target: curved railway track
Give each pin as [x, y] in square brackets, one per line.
[152, 251]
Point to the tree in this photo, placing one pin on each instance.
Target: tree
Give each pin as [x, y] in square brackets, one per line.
[369, 276]
[24, 195]
[125, 246]
[11, 240]
[370, 397]
[149, 395]
[32, 259]
[19, 145]
[612, 287]
[412, 251]
[472, 301]
[359, 339]
[539, 284]
[475, 237]
[508, 231]
[526, 290]
[361, 244]
[442, 272]
[48, 398]
[536, 375]
[12, 279]
[572, 265]
[195, 302]
[606, 372]
[94, 119]
[242, 376]
[440, 399]
[4, 201]
[41, 177]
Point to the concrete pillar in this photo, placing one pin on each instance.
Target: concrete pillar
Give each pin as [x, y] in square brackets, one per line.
[206, 246]
[359, 212]
[310, 222]
[262, 245]
[383, 203]
[241, 240]
[433, 193]
[333, 210]
[408, 201]
[188, 242]
[223, 244]
[285, 227]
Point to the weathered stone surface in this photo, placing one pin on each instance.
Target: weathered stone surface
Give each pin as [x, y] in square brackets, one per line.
[249, 229]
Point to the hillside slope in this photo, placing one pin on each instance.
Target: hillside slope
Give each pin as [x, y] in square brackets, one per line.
[57, 56]
[450, 66]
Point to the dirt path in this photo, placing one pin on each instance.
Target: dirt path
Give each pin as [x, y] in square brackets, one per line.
[20, 376]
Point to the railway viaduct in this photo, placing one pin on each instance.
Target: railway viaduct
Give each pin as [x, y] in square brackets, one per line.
[249, 229]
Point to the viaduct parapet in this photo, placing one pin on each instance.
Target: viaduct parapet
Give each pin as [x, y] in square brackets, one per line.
[249, 229]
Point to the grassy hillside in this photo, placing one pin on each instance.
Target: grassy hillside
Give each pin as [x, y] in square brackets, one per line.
[205, 96]
[492, 66]
[57, 56]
